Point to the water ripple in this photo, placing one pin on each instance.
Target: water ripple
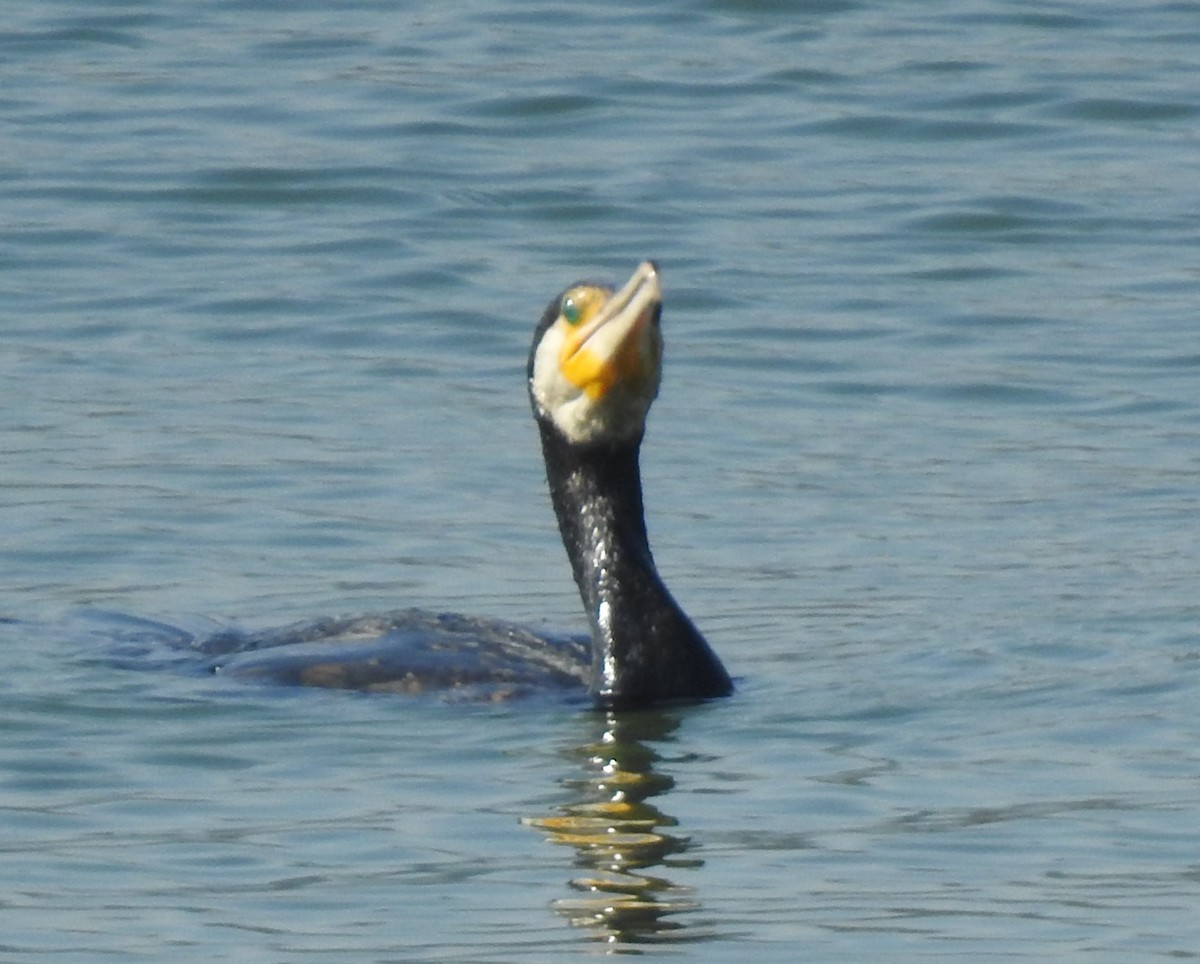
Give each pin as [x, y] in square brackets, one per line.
[923, 467]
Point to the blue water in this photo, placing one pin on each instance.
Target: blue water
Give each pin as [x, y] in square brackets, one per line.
[925, 468]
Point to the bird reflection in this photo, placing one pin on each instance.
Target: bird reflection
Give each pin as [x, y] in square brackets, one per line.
[619, 836]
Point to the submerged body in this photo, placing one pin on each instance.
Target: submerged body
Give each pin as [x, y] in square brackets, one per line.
[410, 651]
[594, 370]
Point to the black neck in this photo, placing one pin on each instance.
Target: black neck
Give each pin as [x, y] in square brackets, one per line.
[644, 647]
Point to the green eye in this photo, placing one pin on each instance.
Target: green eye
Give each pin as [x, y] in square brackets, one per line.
[570, 310]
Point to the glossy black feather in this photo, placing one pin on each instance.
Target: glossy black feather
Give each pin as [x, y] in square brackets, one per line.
[644, 647]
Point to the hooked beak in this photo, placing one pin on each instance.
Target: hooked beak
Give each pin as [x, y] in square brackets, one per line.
[616, 345]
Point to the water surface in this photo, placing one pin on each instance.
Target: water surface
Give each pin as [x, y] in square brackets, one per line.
[925, 469]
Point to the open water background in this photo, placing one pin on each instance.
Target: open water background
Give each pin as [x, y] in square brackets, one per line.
[926, 469]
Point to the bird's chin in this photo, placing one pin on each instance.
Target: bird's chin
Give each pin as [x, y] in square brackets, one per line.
[618, 418]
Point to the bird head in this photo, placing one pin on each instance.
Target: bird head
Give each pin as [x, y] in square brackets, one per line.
[596, 360]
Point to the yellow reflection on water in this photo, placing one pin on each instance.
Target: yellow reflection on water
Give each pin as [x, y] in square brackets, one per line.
[618, 836]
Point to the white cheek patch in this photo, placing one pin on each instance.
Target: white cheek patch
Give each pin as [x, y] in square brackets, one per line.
[551, 391]
[567, 406]
[619, 416]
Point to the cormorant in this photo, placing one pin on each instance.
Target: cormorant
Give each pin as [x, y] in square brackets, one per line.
[593, 371]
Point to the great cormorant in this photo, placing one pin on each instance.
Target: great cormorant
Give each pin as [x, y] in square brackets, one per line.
[594, 370]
